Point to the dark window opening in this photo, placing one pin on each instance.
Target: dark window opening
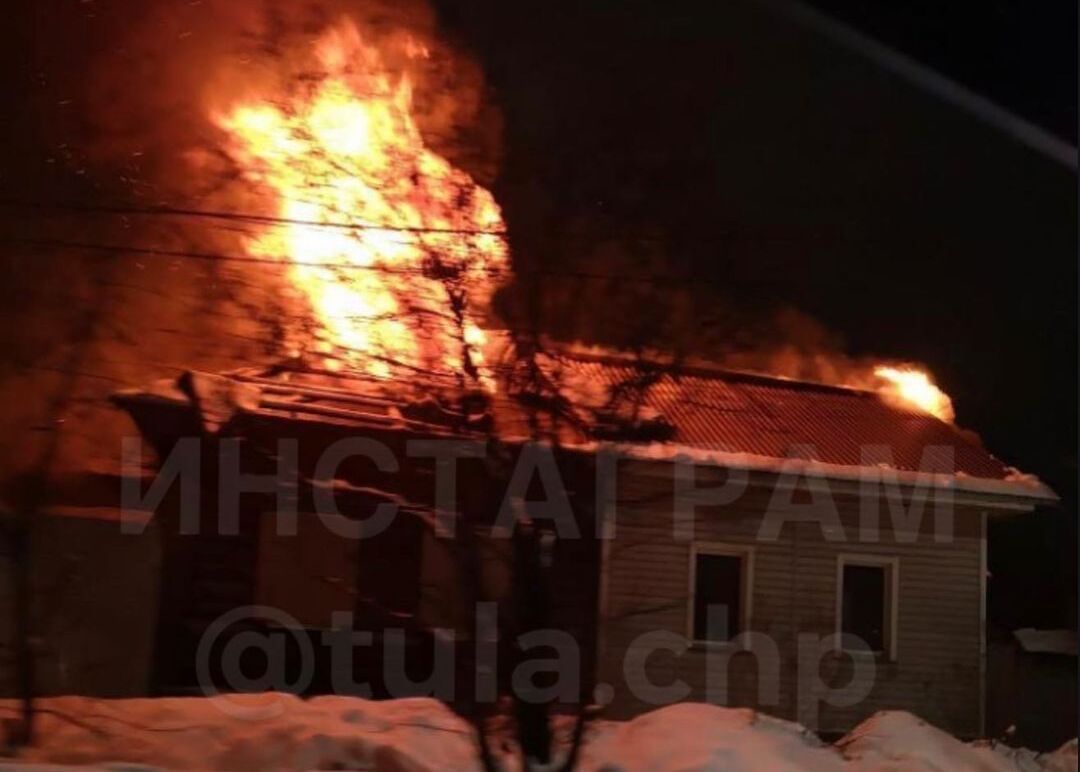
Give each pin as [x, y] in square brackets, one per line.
[864, 605]
[718, 584]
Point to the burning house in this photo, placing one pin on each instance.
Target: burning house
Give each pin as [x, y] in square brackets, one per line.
[405, 469]
[835, 528]
[807, 513]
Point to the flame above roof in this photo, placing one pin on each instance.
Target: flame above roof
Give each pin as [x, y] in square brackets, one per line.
[714, 409]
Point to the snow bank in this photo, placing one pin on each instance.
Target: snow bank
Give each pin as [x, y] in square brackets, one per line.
[896, 740]
[1062, 760]
[252, 732]
[283, 732]
[695, 736]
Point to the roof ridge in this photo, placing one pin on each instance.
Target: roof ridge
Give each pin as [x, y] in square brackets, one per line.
[702, 368]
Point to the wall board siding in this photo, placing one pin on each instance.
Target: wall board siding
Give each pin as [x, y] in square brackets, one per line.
[936, 672]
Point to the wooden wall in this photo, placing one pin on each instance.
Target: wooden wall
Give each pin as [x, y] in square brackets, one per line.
[936, 672]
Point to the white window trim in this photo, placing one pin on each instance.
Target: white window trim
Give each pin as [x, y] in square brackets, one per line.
[877, 561]
[744, 551]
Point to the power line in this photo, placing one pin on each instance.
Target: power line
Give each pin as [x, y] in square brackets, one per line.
[240, 216]
[271, 220]
[284, 262]
[214, 256]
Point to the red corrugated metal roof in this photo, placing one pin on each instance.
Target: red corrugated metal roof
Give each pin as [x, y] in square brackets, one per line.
[706, 409]
[773, 417]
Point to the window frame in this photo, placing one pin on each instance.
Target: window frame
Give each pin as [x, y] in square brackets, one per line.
[746, 577]
[892, 598]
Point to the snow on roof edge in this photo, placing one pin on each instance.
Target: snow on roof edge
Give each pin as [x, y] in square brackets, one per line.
[1020, 485]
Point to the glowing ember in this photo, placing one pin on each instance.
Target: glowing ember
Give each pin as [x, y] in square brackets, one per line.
[393, 247]
[914, 387]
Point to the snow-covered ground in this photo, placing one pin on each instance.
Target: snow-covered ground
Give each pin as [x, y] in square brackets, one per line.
[282, 732]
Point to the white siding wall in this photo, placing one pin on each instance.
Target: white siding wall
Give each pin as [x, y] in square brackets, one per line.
[936, 673]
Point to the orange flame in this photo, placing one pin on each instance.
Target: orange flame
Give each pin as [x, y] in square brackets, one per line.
[392, 246]
[914, 388]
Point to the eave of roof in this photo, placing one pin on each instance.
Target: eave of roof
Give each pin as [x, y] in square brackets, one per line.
[1019, 493]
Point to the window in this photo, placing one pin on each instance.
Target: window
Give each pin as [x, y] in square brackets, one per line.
[867, 601]
[720, 579]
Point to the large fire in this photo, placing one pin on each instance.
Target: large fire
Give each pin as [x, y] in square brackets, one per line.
[393, 247]
[395, 250]
[913, 387]
[905, 385]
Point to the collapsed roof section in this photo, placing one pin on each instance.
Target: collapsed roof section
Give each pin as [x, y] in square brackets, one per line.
[644, 409]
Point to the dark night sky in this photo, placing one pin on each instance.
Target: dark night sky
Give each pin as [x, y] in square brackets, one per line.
[1022, 55]
[775, 170]
[789, 172]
